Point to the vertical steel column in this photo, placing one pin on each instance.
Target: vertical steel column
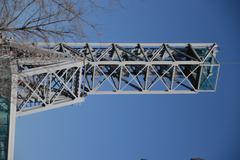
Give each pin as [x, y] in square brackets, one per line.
[13, 104]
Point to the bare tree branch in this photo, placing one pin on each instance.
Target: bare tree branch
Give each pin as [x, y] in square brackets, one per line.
[45, 19]
[20, 13]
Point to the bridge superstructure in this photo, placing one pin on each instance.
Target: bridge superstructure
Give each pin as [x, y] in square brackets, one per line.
[43, 76]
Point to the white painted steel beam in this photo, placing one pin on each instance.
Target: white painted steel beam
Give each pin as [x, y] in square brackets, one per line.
[53, 75]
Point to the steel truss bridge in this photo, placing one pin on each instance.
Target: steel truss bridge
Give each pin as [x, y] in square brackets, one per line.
[39, 77]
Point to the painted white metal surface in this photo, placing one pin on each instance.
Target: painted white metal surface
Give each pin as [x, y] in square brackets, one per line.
[111, 68]
[12, 121]
[53, 75]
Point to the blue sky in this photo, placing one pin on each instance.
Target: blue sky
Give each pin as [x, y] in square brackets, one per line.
[154, 127]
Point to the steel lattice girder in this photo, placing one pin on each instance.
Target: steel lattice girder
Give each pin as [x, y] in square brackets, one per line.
[112, 69]
[49, 87]
[136, 68]
[44, 77]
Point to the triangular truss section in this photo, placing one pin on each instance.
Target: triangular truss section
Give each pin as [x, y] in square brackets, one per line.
[130, 54]
[163, 54]
[30, 91]
[106, 77]
[191, 72]
[103, 54]
[62, 84]
[156, 80]
[181, 80]
[133, 77]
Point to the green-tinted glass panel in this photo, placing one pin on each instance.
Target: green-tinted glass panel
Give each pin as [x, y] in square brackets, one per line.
[210, 59]
[4, 126]
[208, 77]
[202, 52]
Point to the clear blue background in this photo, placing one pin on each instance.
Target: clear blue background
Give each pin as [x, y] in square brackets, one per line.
[154, 127]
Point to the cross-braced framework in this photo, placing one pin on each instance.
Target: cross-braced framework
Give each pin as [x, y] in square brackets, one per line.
[47, 76]
[147, 69]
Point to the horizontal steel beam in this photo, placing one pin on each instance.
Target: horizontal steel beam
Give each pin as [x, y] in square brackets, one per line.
[75, 45]
[49, 107]
[141, 92]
